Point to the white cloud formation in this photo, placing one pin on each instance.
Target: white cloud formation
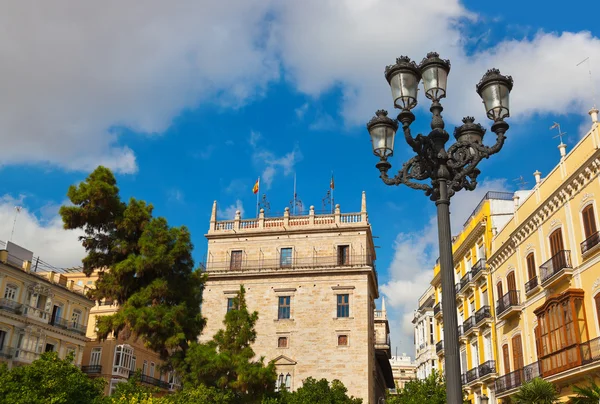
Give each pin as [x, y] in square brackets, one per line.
[43, 234]
[409, 273]
[74, 75]
[269, 162]
[229, 212]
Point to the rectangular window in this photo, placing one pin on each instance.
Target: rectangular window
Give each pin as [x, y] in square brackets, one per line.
[343, 255]
[95, 356]
[282, 342]
[343, 305]
[10, 292]
[151, 369]
[285, 259]
[2, 339]
[531, 266]
[236, 260]
[589, 221]
[342, 340]
[230, 304]
[133, 363]
[284, 307]
[145, 367]
[597, 301]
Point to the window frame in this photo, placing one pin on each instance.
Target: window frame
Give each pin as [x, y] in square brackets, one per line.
[230, 304]
[343, 305]
[236, 264]
[286, 261]
[343, 338]
[96, 356]
[281, 338]
[530, 263]
[343, 254]
[14, 289]
[284, 307]
[587, 221]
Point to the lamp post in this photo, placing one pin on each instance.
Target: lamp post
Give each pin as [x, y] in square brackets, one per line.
[448, 169]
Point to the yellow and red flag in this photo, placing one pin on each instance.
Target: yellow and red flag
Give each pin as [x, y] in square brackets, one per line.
[256, 186]
[331, 184]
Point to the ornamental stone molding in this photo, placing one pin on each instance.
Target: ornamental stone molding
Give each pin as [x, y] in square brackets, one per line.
[596, 284]
[568, 190]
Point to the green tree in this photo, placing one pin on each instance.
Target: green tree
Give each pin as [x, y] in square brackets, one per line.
[431, 390]
[225, 362]
[49, 380]
[132, 389]
[589, 394]
[317, 392]
[144, 265]
[536, 391]
[201, 394]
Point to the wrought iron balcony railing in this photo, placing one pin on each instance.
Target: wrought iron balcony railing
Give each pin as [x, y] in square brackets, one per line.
[472, 375]
[487, 368]
[561, 260]
[531, 284]
[468, 324]
[590, 242]
[328, 261]
[510, 299]
[516, 378]
[92, 369]
[437, 308]
[478, 267]
[439, 347]
[464, 281]
[482, 314]
[10, 305]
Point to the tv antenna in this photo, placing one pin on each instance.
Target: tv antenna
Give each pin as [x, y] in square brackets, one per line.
[587, 59]
[560, 132]
[17, 211]
[521, 182]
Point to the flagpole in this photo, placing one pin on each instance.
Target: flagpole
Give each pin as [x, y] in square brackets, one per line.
[257, 195]
[332, 188]
[294, 203]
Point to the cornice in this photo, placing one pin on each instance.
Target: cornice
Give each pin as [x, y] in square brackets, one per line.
[569, 188]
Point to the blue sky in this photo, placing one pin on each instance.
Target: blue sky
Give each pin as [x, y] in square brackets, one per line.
[190, 102]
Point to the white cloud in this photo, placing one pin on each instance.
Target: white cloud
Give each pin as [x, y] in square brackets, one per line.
[229, 212]
[73, 75]
[301, 110]
[44, 235]
[269, 162]
[410, 273]
[175, 195]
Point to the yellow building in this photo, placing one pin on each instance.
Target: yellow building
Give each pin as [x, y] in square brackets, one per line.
[40, 310]
[474, 295]
[117, 357]
[546, 272]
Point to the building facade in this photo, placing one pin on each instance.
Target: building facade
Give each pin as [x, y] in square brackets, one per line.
[474, 296]
[117, 357]
[403, 369]
[425, 356]
[546, 274]
[313, 281]
[40, 310]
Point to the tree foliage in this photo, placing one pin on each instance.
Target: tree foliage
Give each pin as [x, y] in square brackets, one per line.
[145, 265]
[318, 392]
[226, 362]
[431, 390]
[536, 391]
[589, 394]
[49, 380]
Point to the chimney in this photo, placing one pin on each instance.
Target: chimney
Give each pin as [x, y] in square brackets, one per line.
[594, 114]
[538, 176]
[563, 150]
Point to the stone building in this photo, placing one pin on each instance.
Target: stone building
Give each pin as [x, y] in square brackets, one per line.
[313, 281]
[546, 273]
[403, 370]
[425, 357]
[40, 309]
[117, 357]
[475, 296]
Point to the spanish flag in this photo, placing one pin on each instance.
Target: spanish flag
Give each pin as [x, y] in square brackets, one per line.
[331, 184]
[256, 186]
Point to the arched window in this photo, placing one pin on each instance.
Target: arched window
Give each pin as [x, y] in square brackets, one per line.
[506, 358]
[531, 265]
[589, 221]
[10, 292]
[499, 289]
[288, 381]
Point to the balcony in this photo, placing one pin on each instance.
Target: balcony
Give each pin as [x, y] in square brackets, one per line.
[508, 305]
[68, 325]
[10, 305]
[261, 265]
[437, 310]
[25, 355]
[439, 347]
[472, 375]
[556, 269]
[478, 269]
[152, 381]
[92, 369]
[34, 312]
[487, 370]
[6, 352]
[464, 282]
[532, 285]
[483, 316]
[590, 244]
[515, 379]
[469, 325]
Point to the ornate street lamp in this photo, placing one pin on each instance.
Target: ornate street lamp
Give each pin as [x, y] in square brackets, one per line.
[448, 169]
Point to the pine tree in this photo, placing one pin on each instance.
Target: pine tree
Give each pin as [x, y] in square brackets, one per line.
[144, 265]
[226, 362]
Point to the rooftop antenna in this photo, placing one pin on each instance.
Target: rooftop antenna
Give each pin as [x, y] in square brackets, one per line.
[521, 182]
[17, 211]
[560, 133]
[587, 59]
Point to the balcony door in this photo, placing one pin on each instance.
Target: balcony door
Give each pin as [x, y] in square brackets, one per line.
[512, 289]
[556, 246]
[517, 349]
[589, 221]
[506, 357]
